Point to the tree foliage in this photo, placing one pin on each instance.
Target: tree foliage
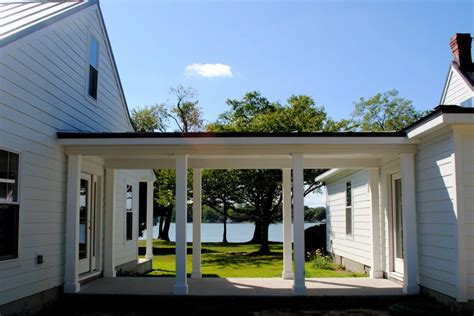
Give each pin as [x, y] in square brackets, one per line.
[220, 192]
[260, 190]
[150, 119]
[384, 112]
[314, 214]
[185, 110]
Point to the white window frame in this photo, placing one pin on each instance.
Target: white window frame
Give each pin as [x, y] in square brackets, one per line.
[92, 35]
[16, 262]
[351, 235]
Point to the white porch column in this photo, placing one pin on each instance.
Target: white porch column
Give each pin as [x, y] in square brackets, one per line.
[71, 273]
[109, 243]
[196, 273]
[287, 245]
[181, 286]
[376, 268]
[149, 219]
[299, 287]
[407, 162]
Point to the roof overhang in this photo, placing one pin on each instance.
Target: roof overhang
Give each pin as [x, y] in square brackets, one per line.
[237, 150]
[443, 116]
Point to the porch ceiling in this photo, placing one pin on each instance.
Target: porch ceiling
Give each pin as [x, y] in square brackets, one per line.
[242, 151]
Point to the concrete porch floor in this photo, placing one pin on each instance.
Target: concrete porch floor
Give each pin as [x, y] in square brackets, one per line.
[243, 286]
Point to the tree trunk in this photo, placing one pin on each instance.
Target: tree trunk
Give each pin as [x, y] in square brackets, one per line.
[160, 226]
[264, 244]
[166, 228]
[224, 236]
[257, 234]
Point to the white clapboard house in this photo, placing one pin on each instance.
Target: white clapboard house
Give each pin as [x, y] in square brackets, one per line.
[57, 73]
[73, 173]
[443, 218]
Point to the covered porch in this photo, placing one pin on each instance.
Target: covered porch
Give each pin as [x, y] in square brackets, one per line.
[244, 286]
[289, 152]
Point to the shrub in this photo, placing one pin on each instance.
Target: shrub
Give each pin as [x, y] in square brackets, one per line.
[320, 261]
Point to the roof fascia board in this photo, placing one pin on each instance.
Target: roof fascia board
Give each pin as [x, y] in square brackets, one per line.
[439, 122]
[427, 127]
[324, 176]
[237, 141]
[446, 84]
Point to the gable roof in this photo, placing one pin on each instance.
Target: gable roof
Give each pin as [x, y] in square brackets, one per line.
[466, 76]
[19, 18]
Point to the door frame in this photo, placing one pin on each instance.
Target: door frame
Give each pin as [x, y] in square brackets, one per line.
[396, 264]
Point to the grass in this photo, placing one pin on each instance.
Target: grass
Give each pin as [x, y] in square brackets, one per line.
[235, 260]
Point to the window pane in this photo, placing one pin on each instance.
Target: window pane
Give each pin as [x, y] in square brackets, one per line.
[399, 218]
[129, 225]
[8, 176]
[8, 231]
[93, 75]
[94, 52]
[348, 194]
[349, 220]
[129, 198]
[83, 219]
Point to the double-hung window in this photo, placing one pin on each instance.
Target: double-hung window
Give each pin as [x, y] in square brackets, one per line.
[93, 67]
[9, 204]
[349, 210]
[129, 213]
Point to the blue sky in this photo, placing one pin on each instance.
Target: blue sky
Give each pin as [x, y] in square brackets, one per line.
[334, 51]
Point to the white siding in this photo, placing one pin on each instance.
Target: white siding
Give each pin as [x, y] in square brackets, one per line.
[437, 237]
[42, 90]
[126, 250]
[468, 187]
[456, 90]
[44, 76]
[357, 247]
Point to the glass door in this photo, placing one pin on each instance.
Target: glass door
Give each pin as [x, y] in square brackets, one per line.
[397, 224]
[85, 223]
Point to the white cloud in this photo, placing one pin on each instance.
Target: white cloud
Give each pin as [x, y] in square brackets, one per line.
[209, 70]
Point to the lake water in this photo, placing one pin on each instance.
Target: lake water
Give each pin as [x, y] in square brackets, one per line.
[236, 232]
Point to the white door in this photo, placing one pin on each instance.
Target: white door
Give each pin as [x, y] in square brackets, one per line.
[86, 223]
[397, 223]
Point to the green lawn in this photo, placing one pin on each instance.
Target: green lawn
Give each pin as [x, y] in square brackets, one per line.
[234, 261]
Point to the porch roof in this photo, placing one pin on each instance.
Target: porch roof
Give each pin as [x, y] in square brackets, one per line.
[320, 150]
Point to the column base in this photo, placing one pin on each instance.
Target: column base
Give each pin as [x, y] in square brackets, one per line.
[376, 274]
[149, 256]
[110, 274]
[411, 289]
[299, 290]
[181, 289]
[72, 287]
[196, 275]
[285, 275]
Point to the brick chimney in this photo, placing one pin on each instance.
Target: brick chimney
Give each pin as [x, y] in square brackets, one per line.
[461, 48]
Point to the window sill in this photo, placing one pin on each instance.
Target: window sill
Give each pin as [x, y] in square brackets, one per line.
[10, 264]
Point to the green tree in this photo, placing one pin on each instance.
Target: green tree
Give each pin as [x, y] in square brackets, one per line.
[185, 110]
[219, 192]
[315, 214]
[261, 189]
[187, 115]
[150, 119]
[384, 112]
[165, 190]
